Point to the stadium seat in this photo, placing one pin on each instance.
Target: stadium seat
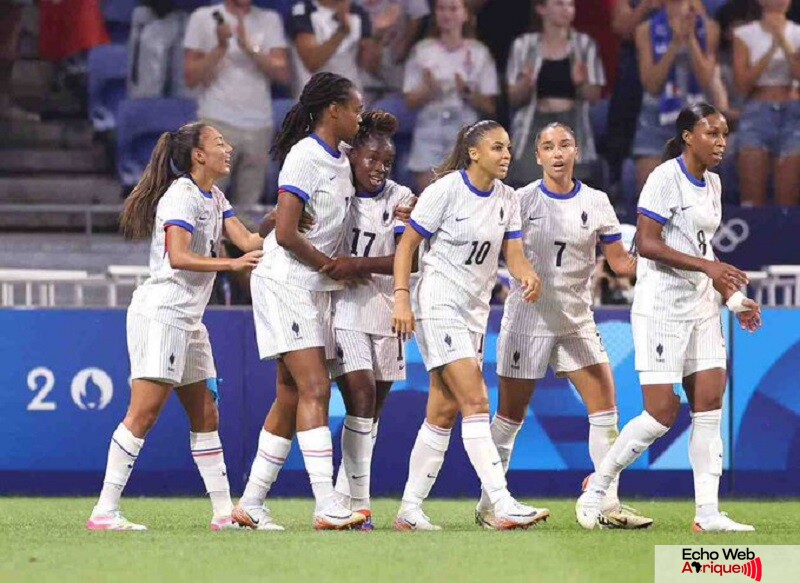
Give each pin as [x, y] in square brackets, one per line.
[107, 70]
[118, 18]
[396, 105]
[140, 122]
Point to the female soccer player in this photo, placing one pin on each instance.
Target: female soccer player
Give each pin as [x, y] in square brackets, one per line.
[676, 319]
[177, 204]
[467, 216]
[369, 356]
[292, 296]
[562, 221]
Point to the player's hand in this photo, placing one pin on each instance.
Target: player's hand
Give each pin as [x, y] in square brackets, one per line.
[726, 278]
[751, 319]
[344, 269]
[247, 261]
[306, 222]
[403, 213]
[402, 316]
[532, 286]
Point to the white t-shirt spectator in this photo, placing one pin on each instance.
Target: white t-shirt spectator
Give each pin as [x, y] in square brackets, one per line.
[309, 17]
[239, 95]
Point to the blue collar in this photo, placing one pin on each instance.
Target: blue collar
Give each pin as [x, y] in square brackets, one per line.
[324, 144]
[206, 194]
[375, 194]
[570, 194]
[689, 175]
[473, 188]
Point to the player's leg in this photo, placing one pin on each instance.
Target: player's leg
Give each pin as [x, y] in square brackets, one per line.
[465, 380]
[704, 382]
[147, 400]
[310, 373]
[274, 444]
[427, 455]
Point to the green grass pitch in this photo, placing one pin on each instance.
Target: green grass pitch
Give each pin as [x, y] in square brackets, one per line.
[43, 539]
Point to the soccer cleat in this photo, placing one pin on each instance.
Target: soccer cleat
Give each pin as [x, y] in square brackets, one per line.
[255, 517]
[224, 523]
[625, 517]
[334, 516]
[484, 517]
[510, 514]
[111, 521]
[414, 519]
[720, 523]
[588, 511]
[367, 524]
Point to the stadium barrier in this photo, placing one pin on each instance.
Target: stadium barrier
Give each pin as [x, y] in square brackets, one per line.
[65, 378]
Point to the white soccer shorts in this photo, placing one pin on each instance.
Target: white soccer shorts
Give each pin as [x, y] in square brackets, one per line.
[168, 354]
[441, 342]
[384, 355]
[290, 318]
[527, 357]
[669, 350]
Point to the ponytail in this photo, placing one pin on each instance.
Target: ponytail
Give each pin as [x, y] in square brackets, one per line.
[171, 157]
[673, 148]
[468, 137]
[321, 90]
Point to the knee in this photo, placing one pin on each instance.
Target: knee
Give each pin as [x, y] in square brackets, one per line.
[444, 418]
[316, 390]
[475, 404]
[141, 422]
[707, 403]
[665, 412]
[209, 421]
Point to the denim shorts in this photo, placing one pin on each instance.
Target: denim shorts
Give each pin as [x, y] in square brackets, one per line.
[771, 126]
[435, 135]
[651, 136]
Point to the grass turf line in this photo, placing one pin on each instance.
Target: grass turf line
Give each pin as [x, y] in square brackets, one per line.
[44, 539]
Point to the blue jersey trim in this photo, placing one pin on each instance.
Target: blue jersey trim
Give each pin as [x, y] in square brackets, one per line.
[613, 238]
[689, 175]
[651, 215]
[326, 147]
[472, 187]
[420, 229]
[179, 223]
[298, 192]
[571, 194]
[512, 235]
[228, 214]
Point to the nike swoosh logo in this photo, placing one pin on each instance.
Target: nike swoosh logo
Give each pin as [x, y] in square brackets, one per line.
[411, 524]
[332, 177]
[359, 477]
[495, 463]
[459, 219]
[683, 208]
[337, 517]
[431, 476]
[634, 451]
[534, 218]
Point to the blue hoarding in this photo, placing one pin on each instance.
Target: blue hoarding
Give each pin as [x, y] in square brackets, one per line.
[65, 382]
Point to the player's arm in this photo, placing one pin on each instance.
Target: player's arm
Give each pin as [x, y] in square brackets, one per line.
[521, 269]
[287, 231]
[178, 240]
[267, 224]
[651, 245]
[240, 235]
[403, 317]
[621, 262]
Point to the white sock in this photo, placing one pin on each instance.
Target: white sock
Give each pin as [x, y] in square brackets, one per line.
[317, 447]
[342, 483]
[504, 433]
[633, 441]
[270, 457]
[426, 460]
[477, 436]
[603, 431]
[705, 454]
[122, 453]
[210, 461]
[356, 459]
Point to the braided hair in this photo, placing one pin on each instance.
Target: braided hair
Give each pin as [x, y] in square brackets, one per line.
[375, 123]
[322, 90]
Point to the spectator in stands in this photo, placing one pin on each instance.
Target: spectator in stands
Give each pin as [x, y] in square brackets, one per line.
[155, 50]
[333, 36]
[766, 67]
[452, 80]
[676, 49]
[233, 52]
[396, 25]
[626, 98]
[553, 74]
[10, 25]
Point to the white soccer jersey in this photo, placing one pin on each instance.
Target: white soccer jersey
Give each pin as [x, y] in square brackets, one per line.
[370, 231]
[173, 296]
[690, 210]
[465, 228]
[321, 177]
[560, 234]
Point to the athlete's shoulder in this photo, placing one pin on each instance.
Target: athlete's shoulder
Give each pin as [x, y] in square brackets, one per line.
[181, 188]
[594, 194]
[529, 191]
[397, 192]
[504, 190]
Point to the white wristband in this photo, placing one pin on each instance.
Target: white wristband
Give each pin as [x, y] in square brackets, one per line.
[735, 303]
